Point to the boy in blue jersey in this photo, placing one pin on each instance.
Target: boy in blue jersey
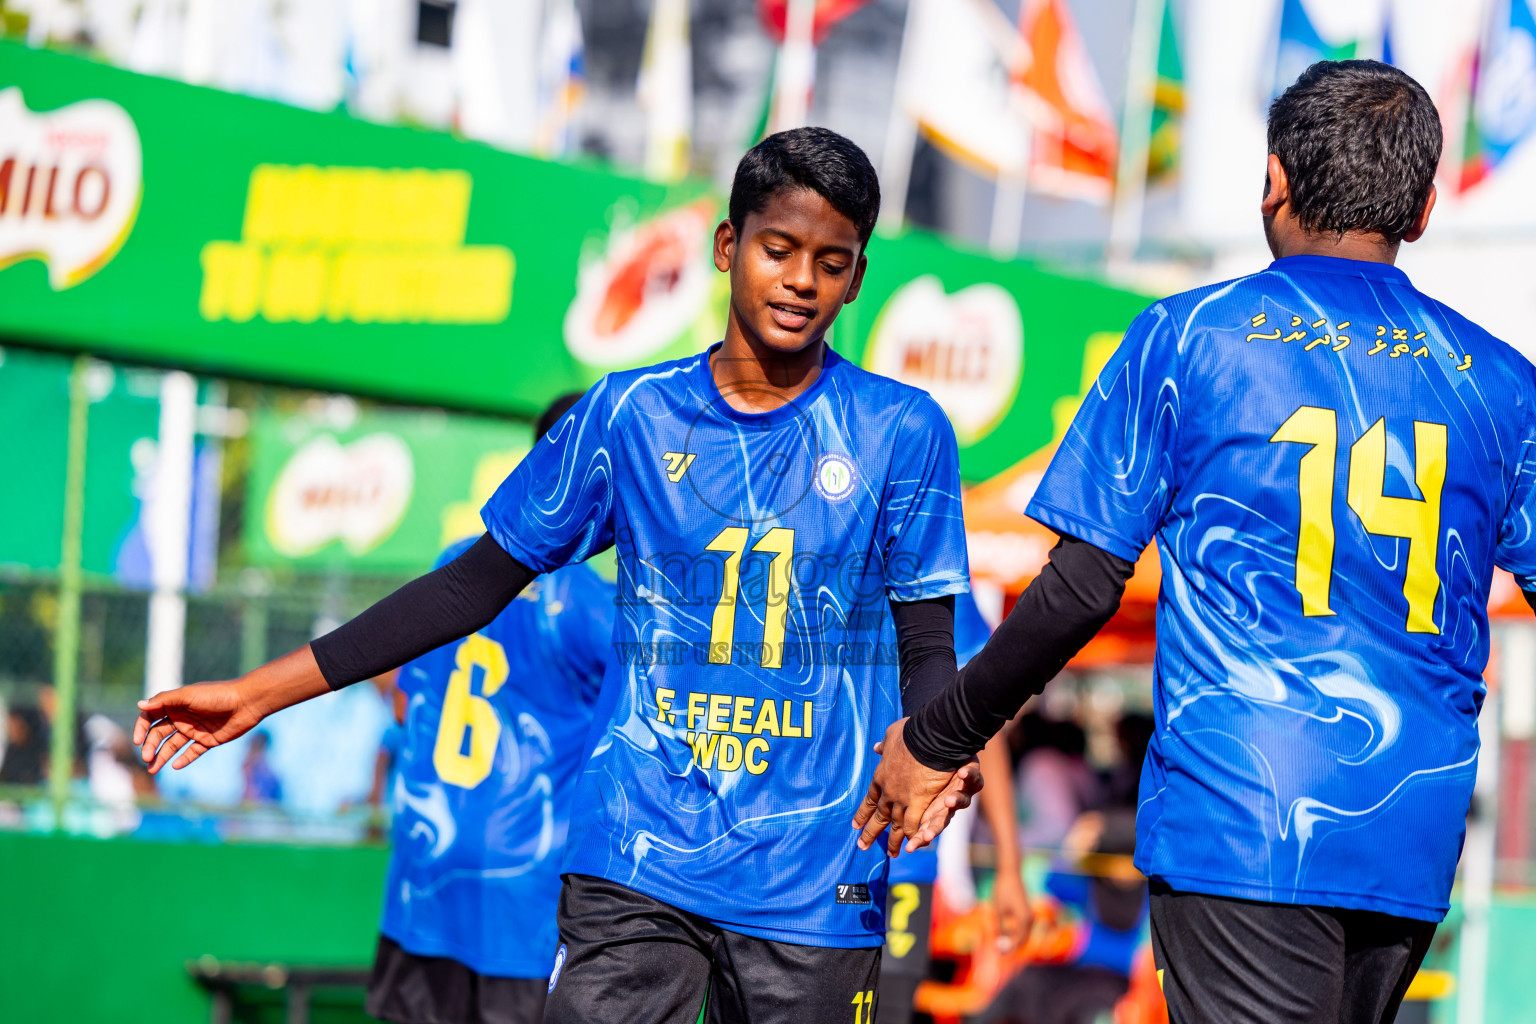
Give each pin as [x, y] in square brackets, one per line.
[482, 802]
[1332, 464]
[768, 502]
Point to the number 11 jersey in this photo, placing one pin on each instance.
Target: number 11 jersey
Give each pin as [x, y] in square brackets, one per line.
[1332, 464]
[753, 667]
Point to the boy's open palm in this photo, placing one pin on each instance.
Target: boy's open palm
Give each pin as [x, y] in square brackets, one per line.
[189, 721]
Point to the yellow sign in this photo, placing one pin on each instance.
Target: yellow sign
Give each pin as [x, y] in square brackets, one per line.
[360, 244]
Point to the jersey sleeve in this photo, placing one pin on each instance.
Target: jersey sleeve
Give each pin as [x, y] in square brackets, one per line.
[1112, 479]
[922, 522]
[1516, 550]
[556, 507]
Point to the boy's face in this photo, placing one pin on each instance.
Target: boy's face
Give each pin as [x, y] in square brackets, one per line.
[793, 267]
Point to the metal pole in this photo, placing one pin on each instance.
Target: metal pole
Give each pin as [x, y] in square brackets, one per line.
[1478, 853]
[1007, 215]
[1136, 131]
[66, 640]
[900, 138]
[797, 66]
[169, 526]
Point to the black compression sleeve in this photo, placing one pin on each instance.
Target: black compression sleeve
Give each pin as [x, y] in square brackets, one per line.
[1075, 594]
[448, 603]
[925, 640]
[1530, 598]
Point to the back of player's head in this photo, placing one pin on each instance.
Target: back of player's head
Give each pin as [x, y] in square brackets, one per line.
[550, 416]
[818, 159]
[1359, 141]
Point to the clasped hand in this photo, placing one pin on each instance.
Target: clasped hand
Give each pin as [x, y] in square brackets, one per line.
[913, 800]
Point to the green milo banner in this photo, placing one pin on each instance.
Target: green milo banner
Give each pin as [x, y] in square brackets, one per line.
[1005, 348]
[157, 221]
[382, 491]
[161, 222]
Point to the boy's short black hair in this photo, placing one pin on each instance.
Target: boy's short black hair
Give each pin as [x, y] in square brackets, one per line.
[818, 159]
[1359, 141]
[550, 416]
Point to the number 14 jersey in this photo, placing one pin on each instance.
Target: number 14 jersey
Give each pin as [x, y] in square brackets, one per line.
[753, 665]
[1332, 464]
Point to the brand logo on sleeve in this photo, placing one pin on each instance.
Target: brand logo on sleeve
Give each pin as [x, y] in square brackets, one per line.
[677, 464]
[853, 892]
[554, 975]
[835, 476]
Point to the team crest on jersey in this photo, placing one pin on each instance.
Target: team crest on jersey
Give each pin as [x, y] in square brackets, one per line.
[835, 476]
[554, 975]
[677, 464]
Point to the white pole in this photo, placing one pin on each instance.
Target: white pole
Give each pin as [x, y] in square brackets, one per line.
[168, 524]
[1479, 852]
[900, 137]
[1136, 131]
[797, 66]
[1007, 215]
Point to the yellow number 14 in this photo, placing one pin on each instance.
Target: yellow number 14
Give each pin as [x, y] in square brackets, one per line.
[1415, 520]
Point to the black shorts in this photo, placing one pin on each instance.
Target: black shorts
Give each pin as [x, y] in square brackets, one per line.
[411, 989]
[1243, 962]
[626, 958]
[904, 961]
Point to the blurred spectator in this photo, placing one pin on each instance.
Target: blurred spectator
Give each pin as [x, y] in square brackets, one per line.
[261, 782]
[1053, 781]
[1094, 877]
[110, 777]
[1133, 733]
[26, 747]
[324, 751]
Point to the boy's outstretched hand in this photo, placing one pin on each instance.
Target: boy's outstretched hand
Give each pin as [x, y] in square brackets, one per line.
[914, 800]
[189, 720]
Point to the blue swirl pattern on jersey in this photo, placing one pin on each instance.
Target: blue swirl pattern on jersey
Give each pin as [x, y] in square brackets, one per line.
[1309, 755]
[752, 667]
[474, 873]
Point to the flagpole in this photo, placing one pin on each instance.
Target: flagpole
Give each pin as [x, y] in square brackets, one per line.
[797, 66]
[900, 138]
[1135, 133]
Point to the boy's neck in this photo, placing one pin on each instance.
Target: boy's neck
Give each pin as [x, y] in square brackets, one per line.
[1354, 245]
[755, 378]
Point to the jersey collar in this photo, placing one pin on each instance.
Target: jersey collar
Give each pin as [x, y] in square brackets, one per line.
[784, 413]
[1342, 267]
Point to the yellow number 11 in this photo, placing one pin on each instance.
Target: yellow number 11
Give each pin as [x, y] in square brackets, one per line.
[732, 540]
[1415, 520]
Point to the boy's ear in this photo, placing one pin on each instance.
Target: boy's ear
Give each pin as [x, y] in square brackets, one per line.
[1421, 222]
[725, 245]
[858, 279]
[1277, 187]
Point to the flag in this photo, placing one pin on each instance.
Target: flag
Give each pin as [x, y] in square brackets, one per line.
[666, 91]
[1299, 46]
[1166, 140]
[1074, 145]
[562, 78]
[775, 15]
[954, 83]
[1502, 110]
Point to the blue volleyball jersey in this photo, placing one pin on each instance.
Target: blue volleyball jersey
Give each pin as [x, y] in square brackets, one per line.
[1332, 464]
[971, 633]
[494, 732]
[751, 673]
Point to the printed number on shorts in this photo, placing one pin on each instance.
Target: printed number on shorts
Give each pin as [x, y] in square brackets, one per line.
[467, 717]
[864, 1007]
[1416, 520]
[732, 540]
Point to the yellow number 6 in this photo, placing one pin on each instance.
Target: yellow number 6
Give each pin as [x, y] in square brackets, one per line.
[464, 712]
